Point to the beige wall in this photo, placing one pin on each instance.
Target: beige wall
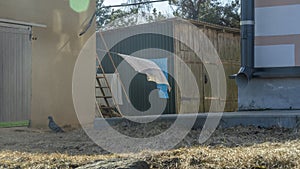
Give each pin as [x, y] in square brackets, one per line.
[53, 54]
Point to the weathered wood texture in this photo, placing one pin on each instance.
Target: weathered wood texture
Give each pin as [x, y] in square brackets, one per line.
[226, 43]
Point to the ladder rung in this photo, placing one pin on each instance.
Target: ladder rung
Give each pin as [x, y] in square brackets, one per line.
[103, 96]
[102, 87]
[99, 77]
[107, 108]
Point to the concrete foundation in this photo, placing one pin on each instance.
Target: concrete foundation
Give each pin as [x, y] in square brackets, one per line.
[270, 94]
[285, 119]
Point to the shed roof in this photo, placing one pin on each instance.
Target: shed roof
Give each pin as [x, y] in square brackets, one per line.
[199, 24]
[214, 26]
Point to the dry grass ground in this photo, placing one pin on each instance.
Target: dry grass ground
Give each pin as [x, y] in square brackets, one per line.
[239, 147]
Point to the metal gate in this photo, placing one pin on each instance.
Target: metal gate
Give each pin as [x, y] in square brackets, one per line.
[15, 72]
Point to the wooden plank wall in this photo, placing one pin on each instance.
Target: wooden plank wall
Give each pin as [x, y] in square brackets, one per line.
[227, 44]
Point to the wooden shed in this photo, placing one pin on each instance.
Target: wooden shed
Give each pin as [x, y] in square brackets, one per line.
[160, 42]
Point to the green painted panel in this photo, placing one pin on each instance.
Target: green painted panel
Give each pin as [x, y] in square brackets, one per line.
[149, 41]
[14, 124]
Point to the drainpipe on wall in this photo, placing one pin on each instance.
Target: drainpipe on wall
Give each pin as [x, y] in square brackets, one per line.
[247, 44]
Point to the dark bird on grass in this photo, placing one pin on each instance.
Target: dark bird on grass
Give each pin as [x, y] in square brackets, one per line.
[53, 126]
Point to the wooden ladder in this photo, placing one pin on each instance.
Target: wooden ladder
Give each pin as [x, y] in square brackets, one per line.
[108, 108]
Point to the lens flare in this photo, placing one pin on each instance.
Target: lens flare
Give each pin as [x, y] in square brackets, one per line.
[79, 5]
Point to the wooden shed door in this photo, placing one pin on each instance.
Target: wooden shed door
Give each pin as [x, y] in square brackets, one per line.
[15, 72]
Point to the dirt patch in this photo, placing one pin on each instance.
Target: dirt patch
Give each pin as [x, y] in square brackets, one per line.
[239, 147]
[74, 142]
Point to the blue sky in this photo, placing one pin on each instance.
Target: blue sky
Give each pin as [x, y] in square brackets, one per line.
[160, 6]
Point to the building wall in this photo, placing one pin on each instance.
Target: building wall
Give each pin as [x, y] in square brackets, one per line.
[53, 55]
[277, 32]
[276, 48]
[268, 94]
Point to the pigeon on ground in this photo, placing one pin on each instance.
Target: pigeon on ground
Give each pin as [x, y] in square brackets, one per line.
[53, 126]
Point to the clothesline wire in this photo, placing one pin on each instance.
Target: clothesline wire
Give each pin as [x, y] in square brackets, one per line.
[111, 52]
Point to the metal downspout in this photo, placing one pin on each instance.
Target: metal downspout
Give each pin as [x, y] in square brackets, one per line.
[247, 43]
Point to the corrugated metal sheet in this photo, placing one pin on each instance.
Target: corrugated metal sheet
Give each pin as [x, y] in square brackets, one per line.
[15, 73]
